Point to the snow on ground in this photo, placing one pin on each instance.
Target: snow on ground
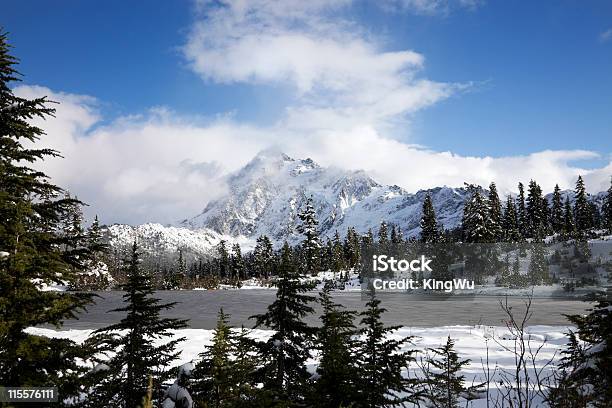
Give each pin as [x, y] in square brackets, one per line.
[472, 342]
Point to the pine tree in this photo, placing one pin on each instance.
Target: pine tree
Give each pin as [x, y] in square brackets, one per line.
[130, 349]
[337, 255]
[538, 265]
[311, 245]
[383, 236]
[510, 224]
[521, 210]
[283, 371]
[338, 376]
[591, 364]
[224, 375]
[352, 248]
[535, 218]
[430, 234]
[368, 240]
[444, 380]
[582, 211]
[569, 226]
[607, 210]
[495, 213]
[556, 216]
[381, 361]
[223, 259]
[475, 222]
[238, 268]
[33, 251]
[263, 254]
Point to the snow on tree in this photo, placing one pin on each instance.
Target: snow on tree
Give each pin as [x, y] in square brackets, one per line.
[475, 223]
[556, 216]
[283, 371]
[569, 226]
[521, 210]
[263, 254]
[510, 224]
[311, 245]
[130, 349]
[430, 232]
[607, 210]
[495, 212]
[383, 236]
[237, 263]
[535, 217]
[582, 210]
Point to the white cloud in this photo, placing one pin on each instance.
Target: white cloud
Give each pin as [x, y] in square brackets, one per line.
[430, 7]
[340, 73]
[606, 35]
[161, 167]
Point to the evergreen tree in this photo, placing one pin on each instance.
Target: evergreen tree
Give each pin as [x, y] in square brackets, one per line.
[430, 234]
[383, 236]
[368, 240]
[535, 218]
[475, 222]
[130, 349]
[238, 269]
[495, 213]
[521, 210]
[352, 248]
[607, 210]
[311, 245]
[283, 371]
[510, 224]
[556, 216]
[223, 259]
[338, 375]
[582, 211]
[337, 255]
[263, 254]
[224, 375]
[444, 380]
[33, 251]
[381, 361]
[569, 226]
[538, 265]
[591, 364]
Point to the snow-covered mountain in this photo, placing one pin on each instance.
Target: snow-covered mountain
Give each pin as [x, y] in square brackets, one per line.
[267, 194]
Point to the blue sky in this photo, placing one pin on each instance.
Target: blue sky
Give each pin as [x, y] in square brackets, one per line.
[541, 73]
[475, 78]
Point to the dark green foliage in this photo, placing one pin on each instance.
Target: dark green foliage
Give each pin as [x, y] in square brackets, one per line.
[238, 269]
[495, 212]
[33, 249]
[582, 210]
[381, 360]
[337, 254]
[311, 246]
[536, 222]
[475, 223]
[510, 229]
[224, 375]
[586, 375]
[569, 226]
[383, 236]
[556, 216]
[443, 381]
[338, 375]
[263, 255]
[430, 232]
[521, 210]
[283, 371]
[606, 210]
[128, 347]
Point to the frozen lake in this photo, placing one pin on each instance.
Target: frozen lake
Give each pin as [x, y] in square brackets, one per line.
[201, 307]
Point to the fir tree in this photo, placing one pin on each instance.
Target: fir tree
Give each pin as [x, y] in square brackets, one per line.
[538, 265]
[338, 376]
[337, 255]
[444, 380]
[510, 224]
[535, 218]
[311, 245]
[223, 259]
[383, 236]
[569, 226]
[582, 211]
[352, 248]
[607, 210]
[224, 375]
[592, 364]
[283, 371]
[131, 347]
[381, 361]
[475, 222]
[238, 268]
[33, 251]
[368, 240]
[556, 216]
[430, 234]
[263, 256]
[495, 213]
[521, 211]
